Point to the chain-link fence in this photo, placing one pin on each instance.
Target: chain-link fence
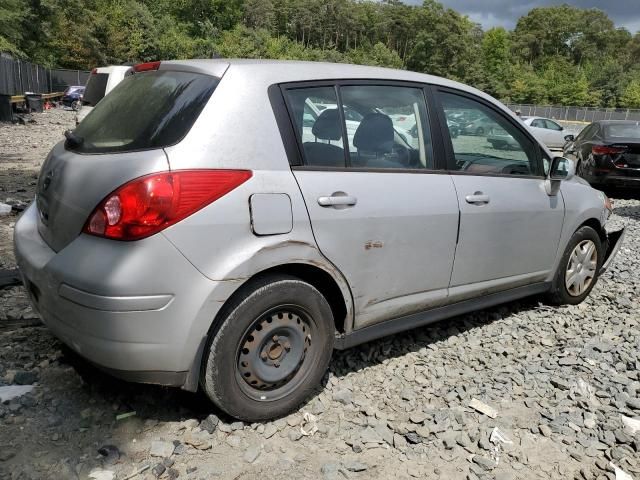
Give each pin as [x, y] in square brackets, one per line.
[19, 76]
[576, 114]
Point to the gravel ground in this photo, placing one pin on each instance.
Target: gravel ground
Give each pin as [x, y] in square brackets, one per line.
[560, 382]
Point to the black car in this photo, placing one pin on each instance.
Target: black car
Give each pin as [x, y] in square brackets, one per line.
[607, 153]
[73, 96]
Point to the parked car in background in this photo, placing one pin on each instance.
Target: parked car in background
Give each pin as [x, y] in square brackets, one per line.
[548, 131]
[607, 153]
[192, 232]
[500, 139]
[481, 126]
[72, 97]
[101, 81]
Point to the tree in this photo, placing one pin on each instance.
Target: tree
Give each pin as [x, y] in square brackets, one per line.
[12, 14]
[496, 60]
[258, 14]
[631, 96]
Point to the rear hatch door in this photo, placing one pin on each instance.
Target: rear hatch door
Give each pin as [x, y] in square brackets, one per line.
[122, 139]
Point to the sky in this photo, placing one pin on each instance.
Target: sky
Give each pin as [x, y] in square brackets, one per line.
[505, 13]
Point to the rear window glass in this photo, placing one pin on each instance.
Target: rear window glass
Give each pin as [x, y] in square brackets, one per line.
[623, 130]
[145, 111]
[95, 88]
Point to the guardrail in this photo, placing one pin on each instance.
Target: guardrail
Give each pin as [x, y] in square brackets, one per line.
[44, 96]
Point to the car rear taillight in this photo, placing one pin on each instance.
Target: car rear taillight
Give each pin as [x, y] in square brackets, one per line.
[94, 71]
[149, 204]
[146, 67]
[607, 150]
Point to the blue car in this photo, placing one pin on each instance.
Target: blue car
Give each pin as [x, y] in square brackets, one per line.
[73, 97]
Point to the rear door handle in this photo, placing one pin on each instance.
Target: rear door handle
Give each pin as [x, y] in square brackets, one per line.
[478, 198]
[337, 200]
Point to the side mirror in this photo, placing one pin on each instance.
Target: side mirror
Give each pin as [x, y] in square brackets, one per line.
[569, 138]
[562, 169]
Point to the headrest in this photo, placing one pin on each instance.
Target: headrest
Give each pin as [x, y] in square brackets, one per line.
[374, 134]
[327, 126]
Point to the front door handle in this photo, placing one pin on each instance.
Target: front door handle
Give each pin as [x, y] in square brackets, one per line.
[478, 198]
[337, 201]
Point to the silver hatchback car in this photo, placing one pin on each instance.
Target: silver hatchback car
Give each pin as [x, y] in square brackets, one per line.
[225, 225]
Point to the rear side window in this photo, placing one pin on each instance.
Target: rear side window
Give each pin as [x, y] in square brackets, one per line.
[385, 126]
[315, 115]
[145, 111]
[95, 88]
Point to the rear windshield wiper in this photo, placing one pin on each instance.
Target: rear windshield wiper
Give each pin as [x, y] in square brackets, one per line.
[73, 140]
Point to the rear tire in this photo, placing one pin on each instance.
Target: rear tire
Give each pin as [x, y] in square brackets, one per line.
[271, 351]
[578, 270]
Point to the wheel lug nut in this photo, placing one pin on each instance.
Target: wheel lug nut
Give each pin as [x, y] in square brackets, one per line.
[275, 338]
[263, 355]
[277, 364]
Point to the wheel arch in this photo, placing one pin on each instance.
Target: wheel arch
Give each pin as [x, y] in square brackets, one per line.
[312, 273]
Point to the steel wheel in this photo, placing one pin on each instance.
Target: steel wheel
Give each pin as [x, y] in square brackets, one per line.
[581, 268]
[276, 353]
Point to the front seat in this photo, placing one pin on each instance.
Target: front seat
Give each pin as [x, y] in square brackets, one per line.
[374, 140]
[320, 154]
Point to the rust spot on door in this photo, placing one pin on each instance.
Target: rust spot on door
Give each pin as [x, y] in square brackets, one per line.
[371, 244]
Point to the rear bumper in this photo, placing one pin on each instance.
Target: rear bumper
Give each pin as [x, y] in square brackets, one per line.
[617, 177]
[136, 309]
[614, 242]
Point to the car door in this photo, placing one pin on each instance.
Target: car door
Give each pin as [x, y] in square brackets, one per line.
[540, 131]
[509, 226]
[555, 134]
[380, 210]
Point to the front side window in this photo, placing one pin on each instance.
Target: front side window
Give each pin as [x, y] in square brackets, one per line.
[487, 143]
[552, 125]
[538, 123]
[385, 126]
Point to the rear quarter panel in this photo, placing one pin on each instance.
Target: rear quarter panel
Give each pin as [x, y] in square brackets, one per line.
[237, 130]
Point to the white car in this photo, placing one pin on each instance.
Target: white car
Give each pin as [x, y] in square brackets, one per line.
[101, 81]
[547, 131]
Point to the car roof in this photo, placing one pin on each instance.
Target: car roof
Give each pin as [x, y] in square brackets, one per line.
[539, 118]
[268, 72]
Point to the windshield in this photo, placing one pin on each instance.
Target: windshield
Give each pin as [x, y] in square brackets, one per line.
[145, 111]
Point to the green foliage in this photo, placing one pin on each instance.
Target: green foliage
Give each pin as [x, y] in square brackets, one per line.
[631, 96]
[12, 14]
[559, 54]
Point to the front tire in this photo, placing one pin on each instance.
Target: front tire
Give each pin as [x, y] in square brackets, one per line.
[578, 269]
[271, 351]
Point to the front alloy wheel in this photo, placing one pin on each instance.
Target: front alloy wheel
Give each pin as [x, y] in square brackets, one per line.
[581, 268]
[578, 269]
